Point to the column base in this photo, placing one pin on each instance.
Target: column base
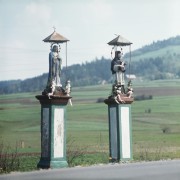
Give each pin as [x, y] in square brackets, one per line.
[58, 164]
[46, 164]
[43, 164]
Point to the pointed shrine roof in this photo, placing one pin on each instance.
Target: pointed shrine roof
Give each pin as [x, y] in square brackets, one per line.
[120, 41]
[56, 38]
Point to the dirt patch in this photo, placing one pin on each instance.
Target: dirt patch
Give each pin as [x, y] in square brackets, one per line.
[24, 101]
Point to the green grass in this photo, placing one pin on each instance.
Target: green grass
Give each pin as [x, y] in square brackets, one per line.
[87, 121]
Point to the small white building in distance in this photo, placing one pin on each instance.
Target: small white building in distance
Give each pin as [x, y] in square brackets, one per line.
[131, 76]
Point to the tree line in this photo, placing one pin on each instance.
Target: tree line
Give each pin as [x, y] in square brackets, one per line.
[89, 73]
[95, 72]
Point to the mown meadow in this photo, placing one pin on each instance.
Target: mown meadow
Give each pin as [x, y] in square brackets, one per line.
[155, 123]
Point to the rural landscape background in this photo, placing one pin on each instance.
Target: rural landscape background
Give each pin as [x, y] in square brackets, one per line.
[155, 120]
[158, 60]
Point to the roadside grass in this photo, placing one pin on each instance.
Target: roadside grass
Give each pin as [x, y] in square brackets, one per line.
[87, 124]
[29, 163]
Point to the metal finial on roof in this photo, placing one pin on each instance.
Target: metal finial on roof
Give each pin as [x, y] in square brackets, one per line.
[54, 28]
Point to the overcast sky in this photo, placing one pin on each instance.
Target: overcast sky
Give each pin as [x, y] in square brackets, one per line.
[88, 24]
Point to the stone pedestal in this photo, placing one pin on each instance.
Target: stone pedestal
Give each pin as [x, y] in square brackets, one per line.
[53, 131]
[120, 132]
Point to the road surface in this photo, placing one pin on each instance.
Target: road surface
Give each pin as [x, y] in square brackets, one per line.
[160, 170]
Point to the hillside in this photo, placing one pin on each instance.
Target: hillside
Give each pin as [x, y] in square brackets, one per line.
[158, 48]
[159, 60]
[153, 62]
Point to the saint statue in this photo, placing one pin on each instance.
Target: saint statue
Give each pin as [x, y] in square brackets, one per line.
[54, 86]
[118, 69]
[54, 66]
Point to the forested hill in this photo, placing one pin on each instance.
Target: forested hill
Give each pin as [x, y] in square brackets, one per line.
[159, 60]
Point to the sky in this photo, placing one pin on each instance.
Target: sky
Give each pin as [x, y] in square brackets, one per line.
[88, 24]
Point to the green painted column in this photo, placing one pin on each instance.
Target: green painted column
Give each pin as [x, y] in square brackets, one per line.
[120, 131]
[53, 132]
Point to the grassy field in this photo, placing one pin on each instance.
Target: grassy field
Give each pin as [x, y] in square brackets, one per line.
[156, 122]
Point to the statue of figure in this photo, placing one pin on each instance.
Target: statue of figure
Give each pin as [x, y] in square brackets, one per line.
[118, 69]
[118, 94]
[130, 92]
[54, 66]
[52, 89]
[68, 90]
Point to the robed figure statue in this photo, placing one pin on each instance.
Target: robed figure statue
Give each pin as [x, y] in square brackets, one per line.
[118, 69]
[54, 67]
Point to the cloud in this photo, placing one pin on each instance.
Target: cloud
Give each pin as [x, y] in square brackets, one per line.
[175, 17]
[37, 13]
[100, 10]
[96, 12]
